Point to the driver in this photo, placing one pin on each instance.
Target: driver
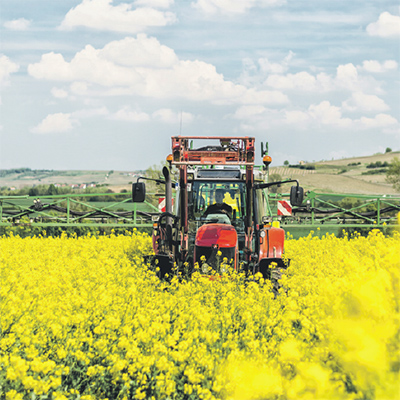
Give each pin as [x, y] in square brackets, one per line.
[219, 206]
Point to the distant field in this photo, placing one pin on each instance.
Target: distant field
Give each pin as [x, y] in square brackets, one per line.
[119, 180]
[342, 176]
[334, 176]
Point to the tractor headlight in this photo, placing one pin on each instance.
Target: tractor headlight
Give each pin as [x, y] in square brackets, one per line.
[262, 234]
[204, 268]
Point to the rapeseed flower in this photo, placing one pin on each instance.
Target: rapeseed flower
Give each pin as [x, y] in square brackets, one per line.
[84, 318]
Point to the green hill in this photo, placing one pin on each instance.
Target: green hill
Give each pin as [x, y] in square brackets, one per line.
[358, 175]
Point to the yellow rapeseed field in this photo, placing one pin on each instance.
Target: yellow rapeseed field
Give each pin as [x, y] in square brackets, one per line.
[83, 318]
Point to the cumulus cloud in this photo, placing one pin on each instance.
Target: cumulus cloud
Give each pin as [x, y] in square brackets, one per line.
[20, 24]
[327, 114]
[144, 67]
[7, 67]
[233, 6]
[59, 93]
[388, 25]
[379, 121]
[363, 102]
[127, 114]
[275, 68]
[255, 72]
[102, 15]
[297, 117]
[347, 78]
[246, 112]
[164, 114]
[154, 3]
[301, 81]
[375, 66]
[171, 117]
[56, 123]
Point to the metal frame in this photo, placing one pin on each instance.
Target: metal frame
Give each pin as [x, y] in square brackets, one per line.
[48, 211]
[317, 212]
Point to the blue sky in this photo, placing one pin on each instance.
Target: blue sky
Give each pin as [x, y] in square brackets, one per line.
[103, 84]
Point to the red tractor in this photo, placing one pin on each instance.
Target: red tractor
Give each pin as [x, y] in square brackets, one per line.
[220, 214]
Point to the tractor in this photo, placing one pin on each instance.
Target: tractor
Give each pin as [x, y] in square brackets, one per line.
[219, 216]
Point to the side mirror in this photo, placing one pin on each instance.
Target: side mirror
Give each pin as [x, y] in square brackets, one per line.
[296, 196]
[138, 192]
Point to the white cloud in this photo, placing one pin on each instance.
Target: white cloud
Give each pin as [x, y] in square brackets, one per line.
[388, 25]
[327, 114]
[363, 102]
[154, 3]
[375, 66]
[253, 96]
[59, 93]
[233, 6]
[164, 114]
[102, 15]
[144, 67]
[347, 76]
[56, 123]
[7, 67]
[246, 112]
[296, 117]
[140, 52]
[301, 81]
[20, 24]
[322, 118]
[126, 114]
[171, 117]
[254, 73]
[379, 121]
[275, 68]
[79, 88]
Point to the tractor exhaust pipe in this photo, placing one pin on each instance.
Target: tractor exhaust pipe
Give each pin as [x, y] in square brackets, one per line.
[168, 191]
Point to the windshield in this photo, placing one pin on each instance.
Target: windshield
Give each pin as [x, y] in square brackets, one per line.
[207, 193]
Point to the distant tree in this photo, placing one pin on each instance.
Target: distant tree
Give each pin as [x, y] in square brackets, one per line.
[286, 163]
[388, 150]
[393, 173]
[274, 178]
[155, 171]
[33, 191]
[52, 190]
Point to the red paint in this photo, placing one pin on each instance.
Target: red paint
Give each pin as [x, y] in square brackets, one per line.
[221, 234]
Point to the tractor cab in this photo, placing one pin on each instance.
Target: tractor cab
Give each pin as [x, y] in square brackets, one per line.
[216, 210]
